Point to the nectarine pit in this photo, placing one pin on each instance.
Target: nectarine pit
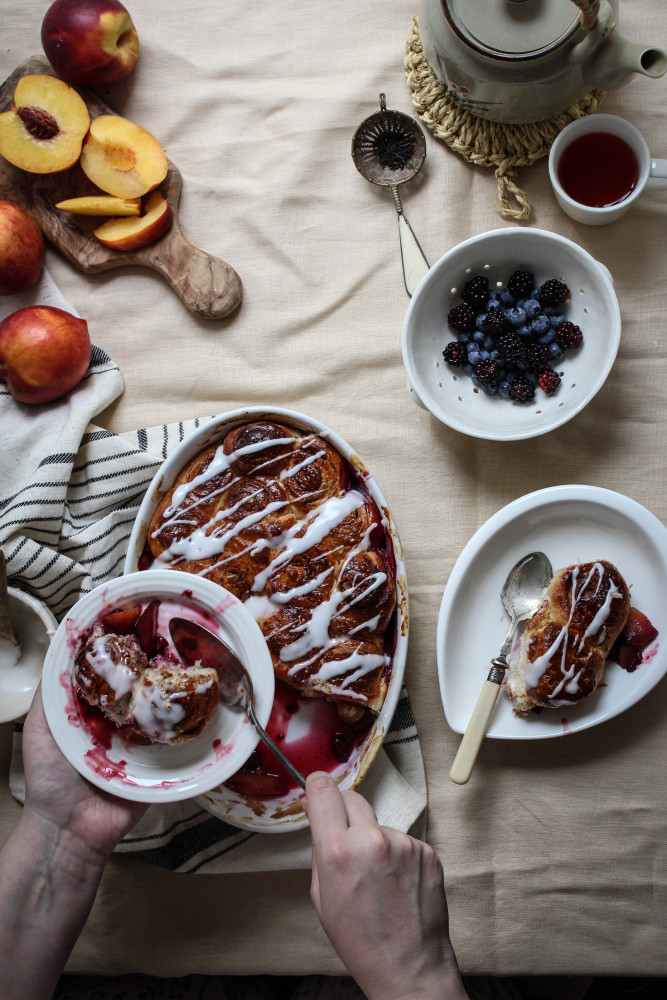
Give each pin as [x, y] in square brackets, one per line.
[39, 123]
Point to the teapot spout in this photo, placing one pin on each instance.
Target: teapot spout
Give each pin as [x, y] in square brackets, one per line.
[618, 58]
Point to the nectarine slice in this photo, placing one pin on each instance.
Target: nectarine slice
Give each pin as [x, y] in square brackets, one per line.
[130, 234]
[102, 204]
[45, 126]
[122, 158]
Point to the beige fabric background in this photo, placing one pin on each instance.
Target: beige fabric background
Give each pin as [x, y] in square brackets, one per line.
[554, 853]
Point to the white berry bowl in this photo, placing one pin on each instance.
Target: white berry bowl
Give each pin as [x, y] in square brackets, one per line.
[450, 394]
[21, 666]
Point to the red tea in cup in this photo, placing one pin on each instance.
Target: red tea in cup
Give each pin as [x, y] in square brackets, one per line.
[598, 169]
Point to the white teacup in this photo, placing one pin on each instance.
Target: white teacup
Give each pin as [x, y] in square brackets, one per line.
[609, 173]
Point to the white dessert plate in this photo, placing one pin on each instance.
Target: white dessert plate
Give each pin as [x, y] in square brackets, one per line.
[284, 814]
[157, 773]
[570, 524]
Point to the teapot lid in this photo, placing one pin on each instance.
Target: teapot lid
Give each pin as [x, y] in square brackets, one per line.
[512, 29]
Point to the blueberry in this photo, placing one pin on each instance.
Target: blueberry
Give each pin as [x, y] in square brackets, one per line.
[557, 320]
[540, 324]
[516, 316]
[548, 337]
[463, 338]
[506, 297]
[555, 351]
[474, 357]
[479, 320]
[504, 390]
[478, 336]
[524, 331]
[489, 342]
[467, 368]
[532, 308]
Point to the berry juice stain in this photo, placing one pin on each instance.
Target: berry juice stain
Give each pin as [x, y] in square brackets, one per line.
[310, 734]
[598, 169]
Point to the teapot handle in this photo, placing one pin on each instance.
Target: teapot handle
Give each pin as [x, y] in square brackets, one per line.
[589, 12]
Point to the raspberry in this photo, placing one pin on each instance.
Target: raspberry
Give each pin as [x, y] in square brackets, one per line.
[569, 336]
[522, 390]
[487, 373]
[537, 357]
[455, 353]
[520, 284]
[476, 291]
[511, 347]
[495, 322]
[548, 380]
[461, 318]
[553, 292]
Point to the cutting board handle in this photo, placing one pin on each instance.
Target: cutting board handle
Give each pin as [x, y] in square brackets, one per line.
[206, 285]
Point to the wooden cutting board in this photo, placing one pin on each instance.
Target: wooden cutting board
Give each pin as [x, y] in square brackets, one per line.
[207, 286]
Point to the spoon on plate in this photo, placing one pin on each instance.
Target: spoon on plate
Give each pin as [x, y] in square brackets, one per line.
[521, 595]
[195, 643]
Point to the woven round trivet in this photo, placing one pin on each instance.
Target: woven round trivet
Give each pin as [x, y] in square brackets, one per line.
[485, 143]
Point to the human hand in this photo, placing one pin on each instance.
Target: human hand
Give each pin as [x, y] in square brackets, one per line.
[380, 897]
[59, 798]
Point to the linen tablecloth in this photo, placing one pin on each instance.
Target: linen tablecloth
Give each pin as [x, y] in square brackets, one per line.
[554, 852]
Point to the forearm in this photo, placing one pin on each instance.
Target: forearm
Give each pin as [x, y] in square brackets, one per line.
[48, 883]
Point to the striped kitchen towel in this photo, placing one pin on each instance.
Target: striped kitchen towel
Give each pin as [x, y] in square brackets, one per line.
[69, 494]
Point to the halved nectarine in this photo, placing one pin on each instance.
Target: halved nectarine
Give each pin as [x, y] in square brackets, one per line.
[122, 158]
[101, 204]
[130, 234]
[45, 126]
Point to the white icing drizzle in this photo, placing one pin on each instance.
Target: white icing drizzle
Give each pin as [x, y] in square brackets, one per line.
[118, 676]
[570, 677]
[206, 542]
[156, 713]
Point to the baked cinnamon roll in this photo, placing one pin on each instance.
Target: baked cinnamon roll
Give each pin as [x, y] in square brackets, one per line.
[561, 657]
[368, 593]
[283, 522]
[106, 668]
[314, 473]
[262, 447]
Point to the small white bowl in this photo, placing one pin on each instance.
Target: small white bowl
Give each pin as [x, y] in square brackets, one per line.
[449, 393]
[21, 667]
[157, 773]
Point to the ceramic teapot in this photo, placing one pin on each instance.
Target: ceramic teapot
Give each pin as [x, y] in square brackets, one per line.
[522, 61]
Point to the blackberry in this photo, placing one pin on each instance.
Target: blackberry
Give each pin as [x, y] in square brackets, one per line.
[511, 347]
[461, 318]
[455, 353]
[548, 380]
[487, 373]
[522, 390]
[496, 322]
[537, 357]
[569, 336]
[520, 284]
[476, 291]
[553, 292]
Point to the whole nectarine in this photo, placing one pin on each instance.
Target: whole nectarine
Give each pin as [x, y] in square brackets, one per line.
[21, 249]
[91, 43]
[44, 353]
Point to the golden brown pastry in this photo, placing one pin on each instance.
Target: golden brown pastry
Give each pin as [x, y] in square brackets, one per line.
[563, 649]
[158, 699]
[281, 520]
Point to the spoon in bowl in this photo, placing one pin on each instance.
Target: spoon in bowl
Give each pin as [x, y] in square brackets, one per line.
[195, 643]
[521, 595]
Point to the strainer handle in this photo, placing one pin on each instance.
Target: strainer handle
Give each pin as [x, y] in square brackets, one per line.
[415, 265]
